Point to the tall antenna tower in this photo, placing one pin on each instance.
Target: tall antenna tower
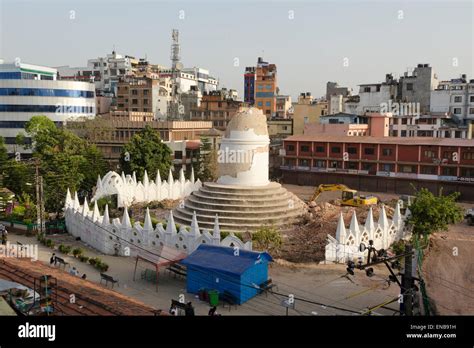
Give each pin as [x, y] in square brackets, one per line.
[175, 109]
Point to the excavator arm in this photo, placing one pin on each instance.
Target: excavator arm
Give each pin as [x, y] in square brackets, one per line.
[327, 187]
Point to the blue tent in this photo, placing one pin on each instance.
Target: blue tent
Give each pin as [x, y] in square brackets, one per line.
[224, 269]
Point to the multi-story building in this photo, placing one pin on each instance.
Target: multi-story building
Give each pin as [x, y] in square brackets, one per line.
[373, 96]
[283, 106]
[307, 110]
[216, 106]
[249, 85]
[435, 125]
[28, 90]
[381, 164]
[454, 98]
[138, 95]
[188, 77]
[335, 96]
[104, 71]
[417, 86]
[112, 132]
[266, 87]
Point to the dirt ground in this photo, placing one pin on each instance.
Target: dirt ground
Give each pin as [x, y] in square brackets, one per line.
[448, 269]
[305, 242]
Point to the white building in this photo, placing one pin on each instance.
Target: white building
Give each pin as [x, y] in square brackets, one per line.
[373, 96]
[28, 90]
[455, 98]
[193, 77]
[104, 71]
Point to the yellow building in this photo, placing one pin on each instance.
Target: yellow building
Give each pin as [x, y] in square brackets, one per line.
[307, 110]
[280, 128]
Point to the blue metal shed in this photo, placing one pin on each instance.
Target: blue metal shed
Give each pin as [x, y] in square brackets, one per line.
[223, 269]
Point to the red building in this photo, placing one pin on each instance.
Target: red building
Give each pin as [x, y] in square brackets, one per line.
[381, 164]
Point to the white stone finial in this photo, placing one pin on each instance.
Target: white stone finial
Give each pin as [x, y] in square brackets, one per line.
[216, 232]
[194, 225]
[158, 178]
[105, 218]
[76, 205]
[170, 225]
[369, 222]
[397, 216]
[124, 178]
[85, 208]
[170, 178]
[148, 224]
[98, 186]
[146, 181]
[134, 178]
[182, 179]
[192, 175]
[68, 201]
[354, 226]
[383, 220]
[341, 230]
[95, 213]
[126, 219]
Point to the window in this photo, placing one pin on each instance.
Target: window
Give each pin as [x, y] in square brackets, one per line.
[352, 165]
[369, 151]
[134, 101]
[471, 98]
[145, 92]
[467, 172]
[178, 155]
[429, 154]
[404, 121]
[367, 89]
[260, 103]
[457, 111]
[458, 99]
[471, 111]
[387, 152]
[409, 86]
[428, 170]
[267, 103]
[269, 86]
[386, 167]
[304, 163]
[335, 149]
[403, 133]
[448, 171]
[290, 147]
[319, 149]
[134, 92]
[320, 164]
[305, 119]
[468, 155]
[304, 148]
[352, 150]
[367, 166]
[407, 169]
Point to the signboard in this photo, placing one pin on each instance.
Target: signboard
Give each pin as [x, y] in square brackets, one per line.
[447, 178]
[406, 175]
[464, 179]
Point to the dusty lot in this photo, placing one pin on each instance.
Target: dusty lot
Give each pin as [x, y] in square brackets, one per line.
[449, 270]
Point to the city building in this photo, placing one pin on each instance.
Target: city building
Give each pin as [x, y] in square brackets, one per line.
[373, 96]
[112, 132]
[138, 95]
[416, 87]
[283, 106]
[454, 98]
[216, 106]
[189, 77]
[249, 85]
[104, 71]
[28, 90]
[335, 96]
[307, 110]
[434, 125]
[381, 164]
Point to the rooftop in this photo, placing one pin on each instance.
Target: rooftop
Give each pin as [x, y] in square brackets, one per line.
[383, 140]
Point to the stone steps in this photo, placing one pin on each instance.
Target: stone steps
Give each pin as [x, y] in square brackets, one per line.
[213, 204]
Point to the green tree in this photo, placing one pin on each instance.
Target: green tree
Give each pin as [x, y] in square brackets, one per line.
[267, 238]
[207, 163]
[430, 213]
[146, 151]
[3, 154]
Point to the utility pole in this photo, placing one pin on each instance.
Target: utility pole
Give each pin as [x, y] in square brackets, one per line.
[42, 204]
[38, 207]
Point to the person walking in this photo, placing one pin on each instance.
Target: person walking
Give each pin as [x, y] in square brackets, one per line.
[52, 260]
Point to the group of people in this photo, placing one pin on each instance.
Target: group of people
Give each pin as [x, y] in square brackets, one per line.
[73, 271]
[3, 234]
[189, 310]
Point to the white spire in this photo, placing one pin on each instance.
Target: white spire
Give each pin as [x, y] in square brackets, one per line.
[85, 207]
[194, 225]
[397, 216]
[369, 222]
[181, 176]
[341, 230]
[96, 213]
[170, 226]
[148, 225]
[68, 201]
[216, 233]
[76, 204]
[354, 226]
[134, 178]
[383, 221]
[158, 178]
[126, 219]
[192, 175]
[98, 186]
[124, 179]
[170, 178]
[146, 182]
[105, 218]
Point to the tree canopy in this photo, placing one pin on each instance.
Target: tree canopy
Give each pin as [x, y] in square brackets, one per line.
[207, 162]
[146, 151]
[430, 213]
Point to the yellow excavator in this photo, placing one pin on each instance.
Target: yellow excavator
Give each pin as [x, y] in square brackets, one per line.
[349, 196]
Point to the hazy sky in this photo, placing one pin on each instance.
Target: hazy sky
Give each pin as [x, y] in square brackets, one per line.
[307, 40]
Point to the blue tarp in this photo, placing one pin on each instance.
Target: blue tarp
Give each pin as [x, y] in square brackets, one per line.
[224, 260]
